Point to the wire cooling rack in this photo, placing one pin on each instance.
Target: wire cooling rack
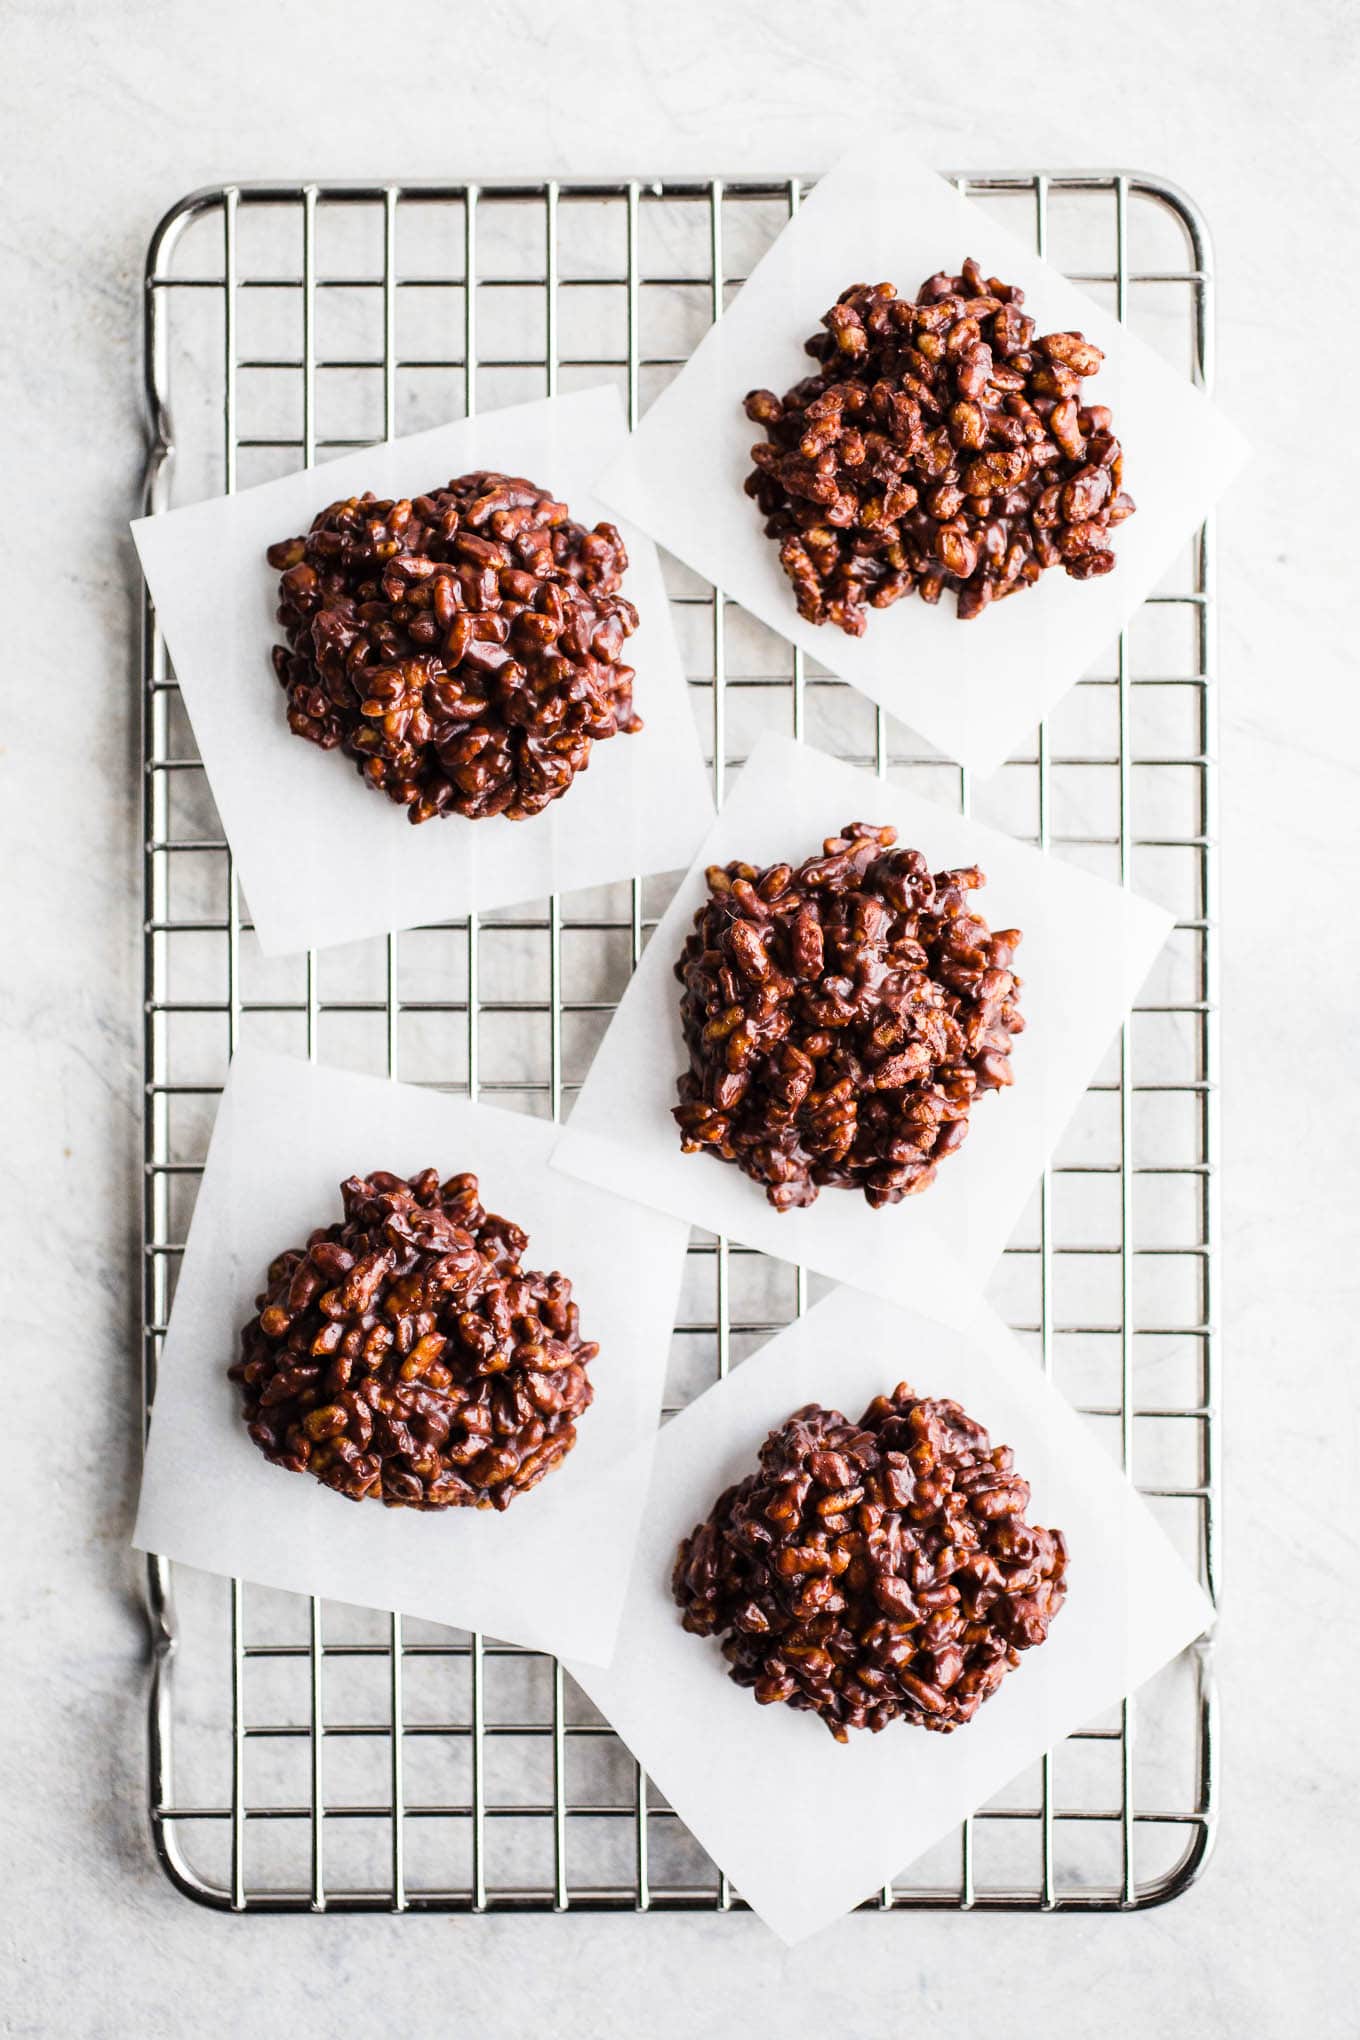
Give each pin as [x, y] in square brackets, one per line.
[310, 1757]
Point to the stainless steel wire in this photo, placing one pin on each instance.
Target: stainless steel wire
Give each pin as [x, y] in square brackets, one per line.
[1112, 1820]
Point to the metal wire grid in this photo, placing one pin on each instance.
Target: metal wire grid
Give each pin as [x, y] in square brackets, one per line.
[214, 1720]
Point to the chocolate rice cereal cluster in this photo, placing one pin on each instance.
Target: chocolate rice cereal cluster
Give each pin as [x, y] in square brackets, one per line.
[942, 443]
[842, 1017]
[874, 1572]
[464, 648]
[405, 1355]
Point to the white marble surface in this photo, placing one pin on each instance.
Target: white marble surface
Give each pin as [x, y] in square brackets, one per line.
[110, 111]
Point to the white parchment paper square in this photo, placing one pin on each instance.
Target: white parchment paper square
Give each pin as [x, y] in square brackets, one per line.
[548, 1572]
[974, 689]
[1087, 947]
[322, 857]
[806, 1827]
